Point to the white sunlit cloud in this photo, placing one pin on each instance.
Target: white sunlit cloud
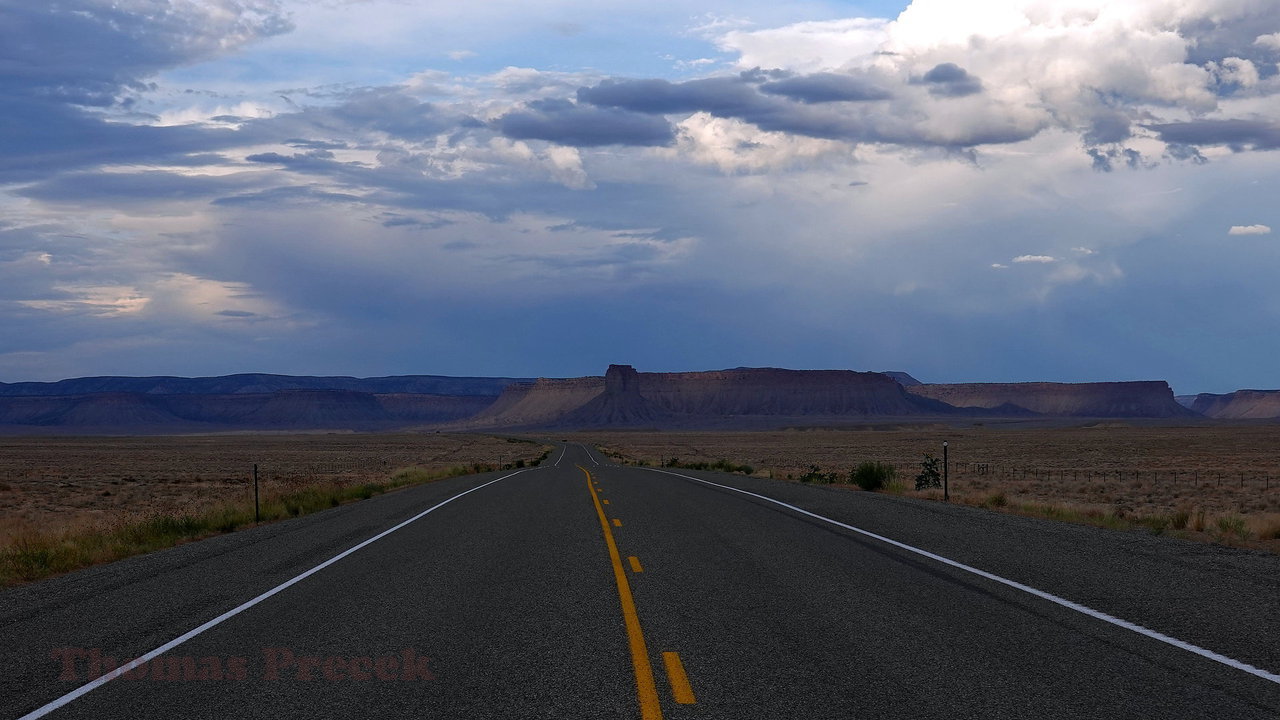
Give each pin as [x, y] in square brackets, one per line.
[1041, 259]
[1249, 230]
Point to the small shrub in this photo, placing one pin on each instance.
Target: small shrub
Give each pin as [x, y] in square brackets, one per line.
[997, 500]
[930, 476]
[872, 475]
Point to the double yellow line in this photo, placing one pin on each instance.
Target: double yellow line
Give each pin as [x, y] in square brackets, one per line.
[646, 688]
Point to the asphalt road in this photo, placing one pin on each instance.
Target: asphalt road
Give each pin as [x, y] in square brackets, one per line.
[588, 590]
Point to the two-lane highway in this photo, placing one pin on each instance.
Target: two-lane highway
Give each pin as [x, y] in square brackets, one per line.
[584, 589]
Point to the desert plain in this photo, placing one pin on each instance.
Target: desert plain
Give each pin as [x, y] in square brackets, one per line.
[1209, 482]
[1218, 483]
[55, 484]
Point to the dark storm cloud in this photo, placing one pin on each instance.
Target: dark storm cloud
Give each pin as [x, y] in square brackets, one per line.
[1221, 36]
[567, 123]
[56, 59]
[315, 161]
[1104, 160]
[722, 96]
[275, 197]
[316, 144]
[949, 80]
[826, 87]
[397, 220]
[85, 52]
[1107, 127]
[141, 187]
[740, 97]
[1239, 135]
[387, 110]
[40, 138]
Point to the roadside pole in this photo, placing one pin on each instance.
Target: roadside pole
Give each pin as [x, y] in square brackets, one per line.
[946, 491]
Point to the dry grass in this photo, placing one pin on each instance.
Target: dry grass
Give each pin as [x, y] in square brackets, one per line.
[1218, 483]
[67, 503]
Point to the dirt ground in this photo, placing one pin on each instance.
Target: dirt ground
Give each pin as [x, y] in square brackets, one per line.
[54, 483]
[1113, 468]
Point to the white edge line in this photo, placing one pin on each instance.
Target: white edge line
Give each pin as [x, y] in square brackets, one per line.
[1181, 644]
[104, 679]
[564, 449]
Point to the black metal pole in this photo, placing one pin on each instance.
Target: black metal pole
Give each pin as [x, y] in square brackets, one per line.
[257, 515]
[946, 491]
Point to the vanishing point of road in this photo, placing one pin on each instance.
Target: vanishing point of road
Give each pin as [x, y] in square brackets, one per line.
[583, 589]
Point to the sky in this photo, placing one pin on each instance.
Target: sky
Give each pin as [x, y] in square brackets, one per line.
[1013, 190]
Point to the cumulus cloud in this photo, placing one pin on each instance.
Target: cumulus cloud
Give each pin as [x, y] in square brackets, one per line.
[806, 46]
[1249, 230]
[951, 77]
[735, 146]
[1035, 259]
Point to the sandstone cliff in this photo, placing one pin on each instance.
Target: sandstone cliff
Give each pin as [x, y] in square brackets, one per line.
[1147, 399]
[626, 398]
[1239, 405]
[539, 403]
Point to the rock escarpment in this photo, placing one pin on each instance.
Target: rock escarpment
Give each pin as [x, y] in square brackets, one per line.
[772, 391]
[1239, 405]
[1144, 399]
[626, 398]
[539, 403]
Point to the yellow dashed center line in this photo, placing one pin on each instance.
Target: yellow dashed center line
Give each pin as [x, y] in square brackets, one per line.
[635, 564]
[646, 689]
[680, 686]
[617, 522]
[606, 502]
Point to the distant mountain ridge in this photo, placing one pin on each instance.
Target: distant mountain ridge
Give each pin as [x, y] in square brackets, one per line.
[259, 383]
[142, 413]
[739, 398]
